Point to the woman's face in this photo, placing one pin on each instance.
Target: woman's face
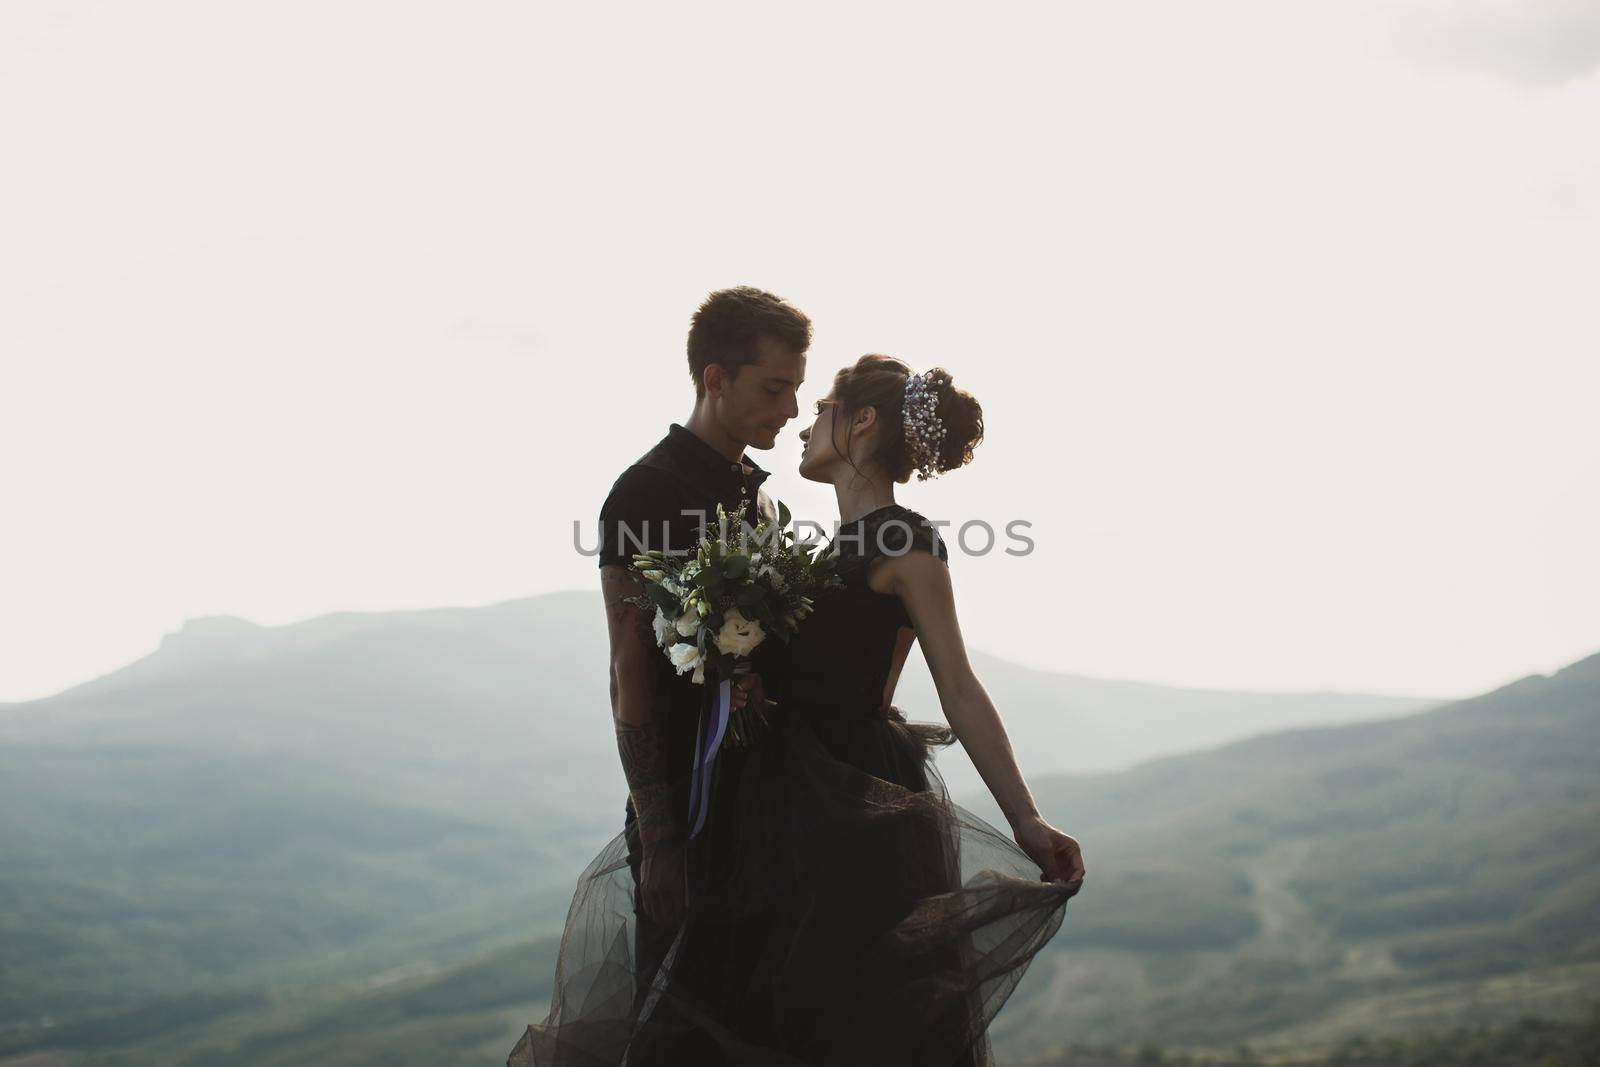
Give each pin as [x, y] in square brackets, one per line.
[821, 460]
[819, 457]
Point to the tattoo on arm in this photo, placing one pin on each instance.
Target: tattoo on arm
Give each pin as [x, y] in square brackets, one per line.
[644, 628]
[638, 709]
[627, 604]
[643, 749]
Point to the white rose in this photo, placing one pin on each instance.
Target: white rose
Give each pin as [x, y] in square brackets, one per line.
[664, 628]
[688, 624]
[684, 657]
[739, 635]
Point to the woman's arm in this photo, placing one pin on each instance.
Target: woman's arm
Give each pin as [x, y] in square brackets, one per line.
[922, 581]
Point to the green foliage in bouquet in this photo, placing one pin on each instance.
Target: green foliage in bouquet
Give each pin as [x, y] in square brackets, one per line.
[739, 586]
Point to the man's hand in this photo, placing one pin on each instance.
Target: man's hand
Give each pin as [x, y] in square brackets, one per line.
[1056, 853]
[661, 882]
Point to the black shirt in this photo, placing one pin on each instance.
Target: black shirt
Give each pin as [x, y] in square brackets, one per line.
[647, 504]
[661, 498]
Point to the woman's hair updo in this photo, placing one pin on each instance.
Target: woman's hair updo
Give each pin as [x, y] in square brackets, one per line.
[879, 382]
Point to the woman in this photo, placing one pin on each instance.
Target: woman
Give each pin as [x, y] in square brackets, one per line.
[845, 912]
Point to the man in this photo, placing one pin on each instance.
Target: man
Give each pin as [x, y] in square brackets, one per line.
[747, 358]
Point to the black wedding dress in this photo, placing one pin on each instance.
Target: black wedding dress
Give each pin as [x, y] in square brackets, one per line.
[843, 910]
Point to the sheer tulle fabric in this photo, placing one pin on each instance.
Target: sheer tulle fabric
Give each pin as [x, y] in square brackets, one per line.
[845, 912]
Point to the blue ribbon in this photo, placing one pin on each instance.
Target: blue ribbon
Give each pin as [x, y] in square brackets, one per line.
[713, 726]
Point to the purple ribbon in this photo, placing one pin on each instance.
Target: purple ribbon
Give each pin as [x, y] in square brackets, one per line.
[713, 726]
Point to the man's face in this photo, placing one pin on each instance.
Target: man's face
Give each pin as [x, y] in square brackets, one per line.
[757, 401]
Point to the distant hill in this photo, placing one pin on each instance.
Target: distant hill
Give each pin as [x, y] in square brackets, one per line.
[240, 832]
[526, 680]
[1067, 722]
[1437, 869]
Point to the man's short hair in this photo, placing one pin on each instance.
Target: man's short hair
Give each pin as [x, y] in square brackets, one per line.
[729, 325]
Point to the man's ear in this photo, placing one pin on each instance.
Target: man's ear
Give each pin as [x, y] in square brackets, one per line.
[714, 378]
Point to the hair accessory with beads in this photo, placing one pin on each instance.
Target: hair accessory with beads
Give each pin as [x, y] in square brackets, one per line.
[924, 432]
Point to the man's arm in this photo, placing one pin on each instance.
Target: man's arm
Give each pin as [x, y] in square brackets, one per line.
[638, 711]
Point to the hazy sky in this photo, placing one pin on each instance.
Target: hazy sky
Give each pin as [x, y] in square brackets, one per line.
[1283, 315]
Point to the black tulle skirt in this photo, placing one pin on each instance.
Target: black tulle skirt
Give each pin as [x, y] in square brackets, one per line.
[843, 911]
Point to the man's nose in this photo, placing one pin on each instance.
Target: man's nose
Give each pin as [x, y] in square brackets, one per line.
[792, 410]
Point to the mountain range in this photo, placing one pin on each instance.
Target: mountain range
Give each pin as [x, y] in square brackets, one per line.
[306, 843]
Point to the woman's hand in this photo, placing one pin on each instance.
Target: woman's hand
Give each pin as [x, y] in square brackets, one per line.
[1056, 853]
[747, 691]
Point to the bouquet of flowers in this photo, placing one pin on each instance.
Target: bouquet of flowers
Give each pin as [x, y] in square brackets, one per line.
[717, 603]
